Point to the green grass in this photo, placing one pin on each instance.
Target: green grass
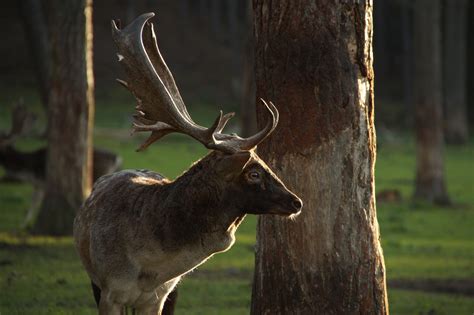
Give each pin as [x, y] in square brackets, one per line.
[422, 241]
[407, 302]
[41, 275]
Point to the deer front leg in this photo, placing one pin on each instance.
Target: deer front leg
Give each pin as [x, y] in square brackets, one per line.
[107, 306]
[154, 305]
[154, 309]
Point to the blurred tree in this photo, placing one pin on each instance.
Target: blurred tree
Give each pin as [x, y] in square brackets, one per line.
[381, 38]
[470, 62]
[204, 7]
[314, 60]
[70, 115]
[232, 21]
[130, 10]
[215, 15]
[407, 43]
[454, 71]
[429, 182]
[247, 104]
[36, 31]
[185, 9]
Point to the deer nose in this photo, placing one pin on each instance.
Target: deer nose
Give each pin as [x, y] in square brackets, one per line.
[297, 204]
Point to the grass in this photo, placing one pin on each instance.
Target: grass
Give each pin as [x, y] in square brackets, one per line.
[42, 275]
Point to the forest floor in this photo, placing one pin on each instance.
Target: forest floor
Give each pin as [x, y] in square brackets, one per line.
[429, 251]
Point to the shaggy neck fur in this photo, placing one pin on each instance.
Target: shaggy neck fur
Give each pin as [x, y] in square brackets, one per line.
[195, 207]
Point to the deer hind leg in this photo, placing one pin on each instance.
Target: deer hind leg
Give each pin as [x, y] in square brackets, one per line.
[154, 305]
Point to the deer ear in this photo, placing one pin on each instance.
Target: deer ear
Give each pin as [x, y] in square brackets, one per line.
[232, 165]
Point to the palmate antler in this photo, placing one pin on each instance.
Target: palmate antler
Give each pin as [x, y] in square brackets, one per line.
[160, 108]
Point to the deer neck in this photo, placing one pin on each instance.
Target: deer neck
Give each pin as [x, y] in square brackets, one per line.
[197, 211]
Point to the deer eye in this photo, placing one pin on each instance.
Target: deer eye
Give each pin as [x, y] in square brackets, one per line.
[253, 176]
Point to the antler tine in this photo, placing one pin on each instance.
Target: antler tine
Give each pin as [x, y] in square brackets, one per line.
[160, 107]
[224, 121]
[235, 143]
[272, 121]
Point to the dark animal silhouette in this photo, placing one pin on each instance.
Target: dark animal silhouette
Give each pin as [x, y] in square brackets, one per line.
[138, 233]
[30, 166]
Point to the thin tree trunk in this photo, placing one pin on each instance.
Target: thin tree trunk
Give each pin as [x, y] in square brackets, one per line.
[470, 62]
[429, 183]
[215, 16]
[232, 22]
[407, 39]
[314, 61]
[36, 32]
[130, 11]
[70, 114]
[381, 39]
[204, 9]
[185, 9]
[455, 107]
[247, 106]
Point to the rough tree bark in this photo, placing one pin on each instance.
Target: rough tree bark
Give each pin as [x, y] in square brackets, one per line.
[429, 183]
[70, 116]
[454, 71]
[314, 61]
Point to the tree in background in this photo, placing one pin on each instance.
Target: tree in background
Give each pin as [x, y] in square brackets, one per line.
[314, 61]
[36, 31]
[248, 120]
[454, 71]
[70, 115]
[407, 44]
[430, 180]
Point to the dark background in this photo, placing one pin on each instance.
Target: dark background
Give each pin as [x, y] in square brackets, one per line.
[206, 53]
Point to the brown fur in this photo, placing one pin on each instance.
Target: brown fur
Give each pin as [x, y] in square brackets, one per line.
[139, 232]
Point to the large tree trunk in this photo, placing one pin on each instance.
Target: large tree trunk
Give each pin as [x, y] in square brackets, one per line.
[455, 65]
[429, 183]
[70, 116]
[314, 60]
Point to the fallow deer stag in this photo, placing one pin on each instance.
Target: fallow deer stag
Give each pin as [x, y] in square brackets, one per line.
[138, 233]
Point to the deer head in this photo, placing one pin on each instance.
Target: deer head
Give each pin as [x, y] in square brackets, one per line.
[240, 173]
[249, 184]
